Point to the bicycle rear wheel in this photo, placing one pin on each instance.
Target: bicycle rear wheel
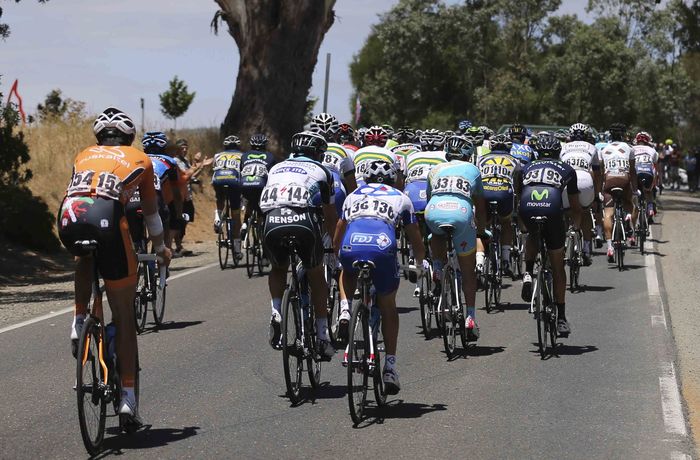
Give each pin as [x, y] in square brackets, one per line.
[141, 300]
[90, 386]
[426, 309]
[222, 243]
[235, 257]
[259, 250]
[333, 308]
[292, 354]
[358, 361]
[448, 312]
[551, 312]
[250, 251]
[540, 316]
[643, 225]
[488, 292]
[159, 303]
[313, 366]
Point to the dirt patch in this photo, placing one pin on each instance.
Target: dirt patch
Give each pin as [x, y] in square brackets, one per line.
[20, 266]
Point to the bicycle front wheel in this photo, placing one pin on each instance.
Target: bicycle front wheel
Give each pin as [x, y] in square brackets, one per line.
[537, 308]
[426, 309]
[159, 304]
[90, 385]
[358, 361]
[250, 252]
[292, 354]
[222, 243]
[141, 300]
[313, 366]
[448, 312]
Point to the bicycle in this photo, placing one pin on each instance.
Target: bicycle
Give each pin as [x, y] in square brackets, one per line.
[542, 303]
[642, 227]
[150, 288]
[331, 274]
[252, 244]
[225, 237]
[451, 303]
[429, 292]
[573, 257]
[97, 376]
[299, 338]
[517, 251]
[493, 276]
[618, 232]
[362, 355]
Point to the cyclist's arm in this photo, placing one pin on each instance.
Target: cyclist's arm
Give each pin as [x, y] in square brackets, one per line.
[576, 210]
[349, 182]
[149, 205]
[339, 234]
[414, 237]
[330, 216]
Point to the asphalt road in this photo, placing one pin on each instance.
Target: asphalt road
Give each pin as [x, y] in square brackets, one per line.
[212, 387]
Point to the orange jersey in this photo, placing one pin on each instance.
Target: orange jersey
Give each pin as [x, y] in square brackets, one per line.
[112, 172]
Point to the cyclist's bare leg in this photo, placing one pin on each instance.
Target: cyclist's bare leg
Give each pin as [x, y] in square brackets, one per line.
[121, 302]
[83, 283]
[438, 246]
[608, 222]
[467, 264]
[319, 290]
[348, 283]
[587, 225]
[277, 281]
[556, 260]
[390, 321]
[506, 235]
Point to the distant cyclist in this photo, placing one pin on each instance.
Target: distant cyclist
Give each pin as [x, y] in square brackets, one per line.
[298, 202]
[456, 197]
[374, 141]
[645, 162]
[366, 231]
[520, 150]
[544, 182]
[475, 136]
[226, 180]
[104, 177]
[408, 143]
[255, 164]
[346, 137]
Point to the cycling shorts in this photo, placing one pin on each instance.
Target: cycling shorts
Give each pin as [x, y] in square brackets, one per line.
[611, 182]
[449, 209]
[232, 193]
[302, 225]
[645, 181]
[504, 198]
[544, 201]
[252, 197]
[585, 188]
[374, 241]
[417, 191]
[102, 220]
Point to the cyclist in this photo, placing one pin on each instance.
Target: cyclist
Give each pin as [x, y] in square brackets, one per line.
[104, 177]
[544, 183]
[374, 141]
[407, 140]
[583, 157]
[520, 150]
[476, 137]
[336, 159]
[390, 141]
[346, 137]
[366, 232]
[463, 126]
[456, 197]
[255, 164]
[645, 160]
[226, 180]
[297, 200]
[418, 166]
[499, 174]
[619, 170]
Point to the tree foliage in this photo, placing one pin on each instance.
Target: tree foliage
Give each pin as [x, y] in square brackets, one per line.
[433, 62]
[5, 28]
[56, 107]
[176, 100]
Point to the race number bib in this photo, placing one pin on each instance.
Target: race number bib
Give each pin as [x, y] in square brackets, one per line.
[543, 176]
[229, 162]
[452, 184]
[291, 195]
[80, 183]
[496, 170]
[418, 173]
[255, 170]
[578, 163]
[371, 207]
[108, 185]
[619, 165]
[331, 161]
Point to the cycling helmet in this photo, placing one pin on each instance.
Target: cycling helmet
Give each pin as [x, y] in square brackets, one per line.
[562, 135]
[642, 138]
[376, 135]
[501, 143]
[517, 133]
[617, 131]
[431, 140]
[548, 146]
[309, 143]
[463, 126]
[325, 124]
[486, 132]
[154, 141]
[448, 133]
[579, 132]
[475, 136]
[113, 123]
[258, 141]
[232, 142]
[404, 135]
[669, 142]
[458, 148]
[381, 172]
[345, 133]
[389, 130]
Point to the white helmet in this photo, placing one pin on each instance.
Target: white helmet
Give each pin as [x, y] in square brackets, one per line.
[112, 122]
[381, 171]
[325, 124]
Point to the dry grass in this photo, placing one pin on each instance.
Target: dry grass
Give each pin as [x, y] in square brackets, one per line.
[54, 144]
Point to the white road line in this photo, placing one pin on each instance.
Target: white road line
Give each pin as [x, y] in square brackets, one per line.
[658, 318]
[674, 421]
[63, 311]
[680, 456]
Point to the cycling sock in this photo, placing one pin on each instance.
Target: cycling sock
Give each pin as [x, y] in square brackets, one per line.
[276, 303]
[561, 310]
[471, 311]
[344, 305]
[322, 328]
[389, 362]
[480, 256]
[505, 253]
[587, 247]
[529, 266]
[609, 245]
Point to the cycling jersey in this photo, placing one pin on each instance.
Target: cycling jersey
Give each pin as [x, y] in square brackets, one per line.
[350, 148]
[498, 173]
[372, 213]
[645, 159]
[402, 151]
[254, 166]
[616, 158]
[452, 188]
[366, 155]
[227, 168]
[337, 160]
[418, 166]
[523, 153]
[583, 157]
[297, 182]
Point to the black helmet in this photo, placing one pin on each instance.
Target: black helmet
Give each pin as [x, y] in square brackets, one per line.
[501, 143]
[258, 141]
[458, 148]
[404, 135]
[309, 143]
[548, 146]
[517, 132]
[617, 131]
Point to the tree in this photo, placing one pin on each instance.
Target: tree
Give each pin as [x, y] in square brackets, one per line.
[5, 28]
[278, 44]
[176, 100]
[55, 107]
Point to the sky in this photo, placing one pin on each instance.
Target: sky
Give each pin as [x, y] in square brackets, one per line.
[114, 53]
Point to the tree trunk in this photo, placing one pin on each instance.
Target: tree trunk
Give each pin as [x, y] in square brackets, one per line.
[278, 41]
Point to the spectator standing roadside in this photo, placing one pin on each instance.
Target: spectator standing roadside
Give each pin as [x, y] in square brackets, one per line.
[691, 168]
[674, 162]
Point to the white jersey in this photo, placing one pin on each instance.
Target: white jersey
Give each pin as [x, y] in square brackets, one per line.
[378, 202]
[366, 155]
[419, 164]
[645, 156]
[337, 159]
[580, 155]
[616, 158]
[297, 183]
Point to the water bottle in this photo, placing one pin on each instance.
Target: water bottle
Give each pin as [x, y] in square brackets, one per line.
[110, 335]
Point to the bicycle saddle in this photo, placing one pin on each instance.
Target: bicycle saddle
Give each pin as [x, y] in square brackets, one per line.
[86, 245]
[540, 219]
[363, 264]
[447, 228]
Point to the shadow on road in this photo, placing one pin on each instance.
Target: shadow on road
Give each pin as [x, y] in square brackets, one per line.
[172, 326]
[398, 409]
[586, 288]
[508, 306]
[38, 296]
[566, 350]
[146, 438]
[403, 310]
